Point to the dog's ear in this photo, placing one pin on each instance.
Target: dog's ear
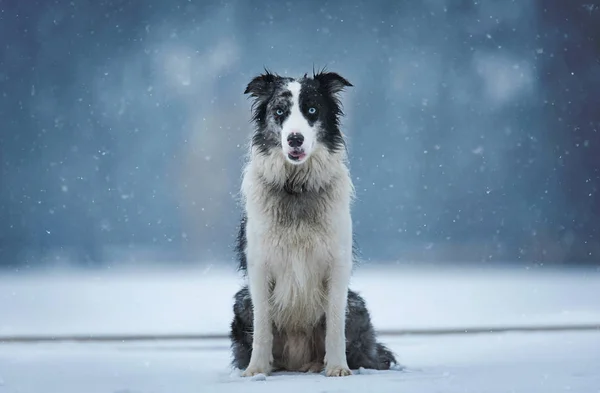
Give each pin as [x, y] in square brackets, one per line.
[331, 81]
[262, 85]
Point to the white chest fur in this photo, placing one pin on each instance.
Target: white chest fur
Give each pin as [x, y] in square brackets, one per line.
[297, 237]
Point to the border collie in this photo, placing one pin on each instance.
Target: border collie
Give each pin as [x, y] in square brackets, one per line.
[295, 239]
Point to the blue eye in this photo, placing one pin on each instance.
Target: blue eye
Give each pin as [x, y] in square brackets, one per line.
[279, 112]
[312, 110]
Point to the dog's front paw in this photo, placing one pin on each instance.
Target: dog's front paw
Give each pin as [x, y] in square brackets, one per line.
[337, 371]
[253, 370]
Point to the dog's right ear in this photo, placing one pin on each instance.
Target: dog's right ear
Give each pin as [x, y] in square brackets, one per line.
[262, 85]
[331, 81]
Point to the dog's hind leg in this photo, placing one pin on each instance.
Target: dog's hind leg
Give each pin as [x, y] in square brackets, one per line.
[242, 329]
[385, 357]
[361, 346]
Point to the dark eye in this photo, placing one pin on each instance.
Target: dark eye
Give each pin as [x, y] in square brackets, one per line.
[279, 112]
[312, 110]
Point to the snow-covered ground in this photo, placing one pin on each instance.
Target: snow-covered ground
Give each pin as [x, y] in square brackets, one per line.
[199, 302]
[494, 363]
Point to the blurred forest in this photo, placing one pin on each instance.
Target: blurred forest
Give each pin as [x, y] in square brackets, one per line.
[473, 126]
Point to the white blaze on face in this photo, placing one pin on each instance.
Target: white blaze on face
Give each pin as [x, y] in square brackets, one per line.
[297, 124]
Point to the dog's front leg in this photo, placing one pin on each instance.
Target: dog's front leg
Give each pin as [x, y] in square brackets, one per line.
[261, 360]
[336, 364]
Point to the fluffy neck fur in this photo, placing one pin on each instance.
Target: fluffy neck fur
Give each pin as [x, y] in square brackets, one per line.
[318, 173]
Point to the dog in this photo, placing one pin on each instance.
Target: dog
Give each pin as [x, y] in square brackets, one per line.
[295, 239]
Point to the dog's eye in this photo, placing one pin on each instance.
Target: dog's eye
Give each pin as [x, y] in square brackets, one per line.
[279, 112]
[312, 110]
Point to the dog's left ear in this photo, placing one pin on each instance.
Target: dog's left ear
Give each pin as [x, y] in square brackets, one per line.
[262, 85]
[332, 81]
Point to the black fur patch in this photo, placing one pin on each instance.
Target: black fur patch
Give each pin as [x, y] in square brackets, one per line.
[240, 245]
[321, 92]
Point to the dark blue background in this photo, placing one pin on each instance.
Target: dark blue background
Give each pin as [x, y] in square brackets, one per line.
[473, 126]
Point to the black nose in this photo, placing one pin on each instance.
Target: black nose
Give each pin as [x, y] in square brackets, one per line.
[295, 139]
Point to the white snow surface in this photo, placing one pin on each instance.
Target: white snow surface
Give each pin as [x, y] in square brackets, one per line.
[199, 301]
[485, 363]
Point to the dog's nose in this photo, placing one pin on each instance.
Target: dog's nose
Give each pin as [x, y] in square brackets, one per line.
[295, 139]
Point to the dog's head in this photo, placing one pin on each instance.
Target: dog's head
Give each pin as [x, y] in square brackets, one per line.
[295, 117]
